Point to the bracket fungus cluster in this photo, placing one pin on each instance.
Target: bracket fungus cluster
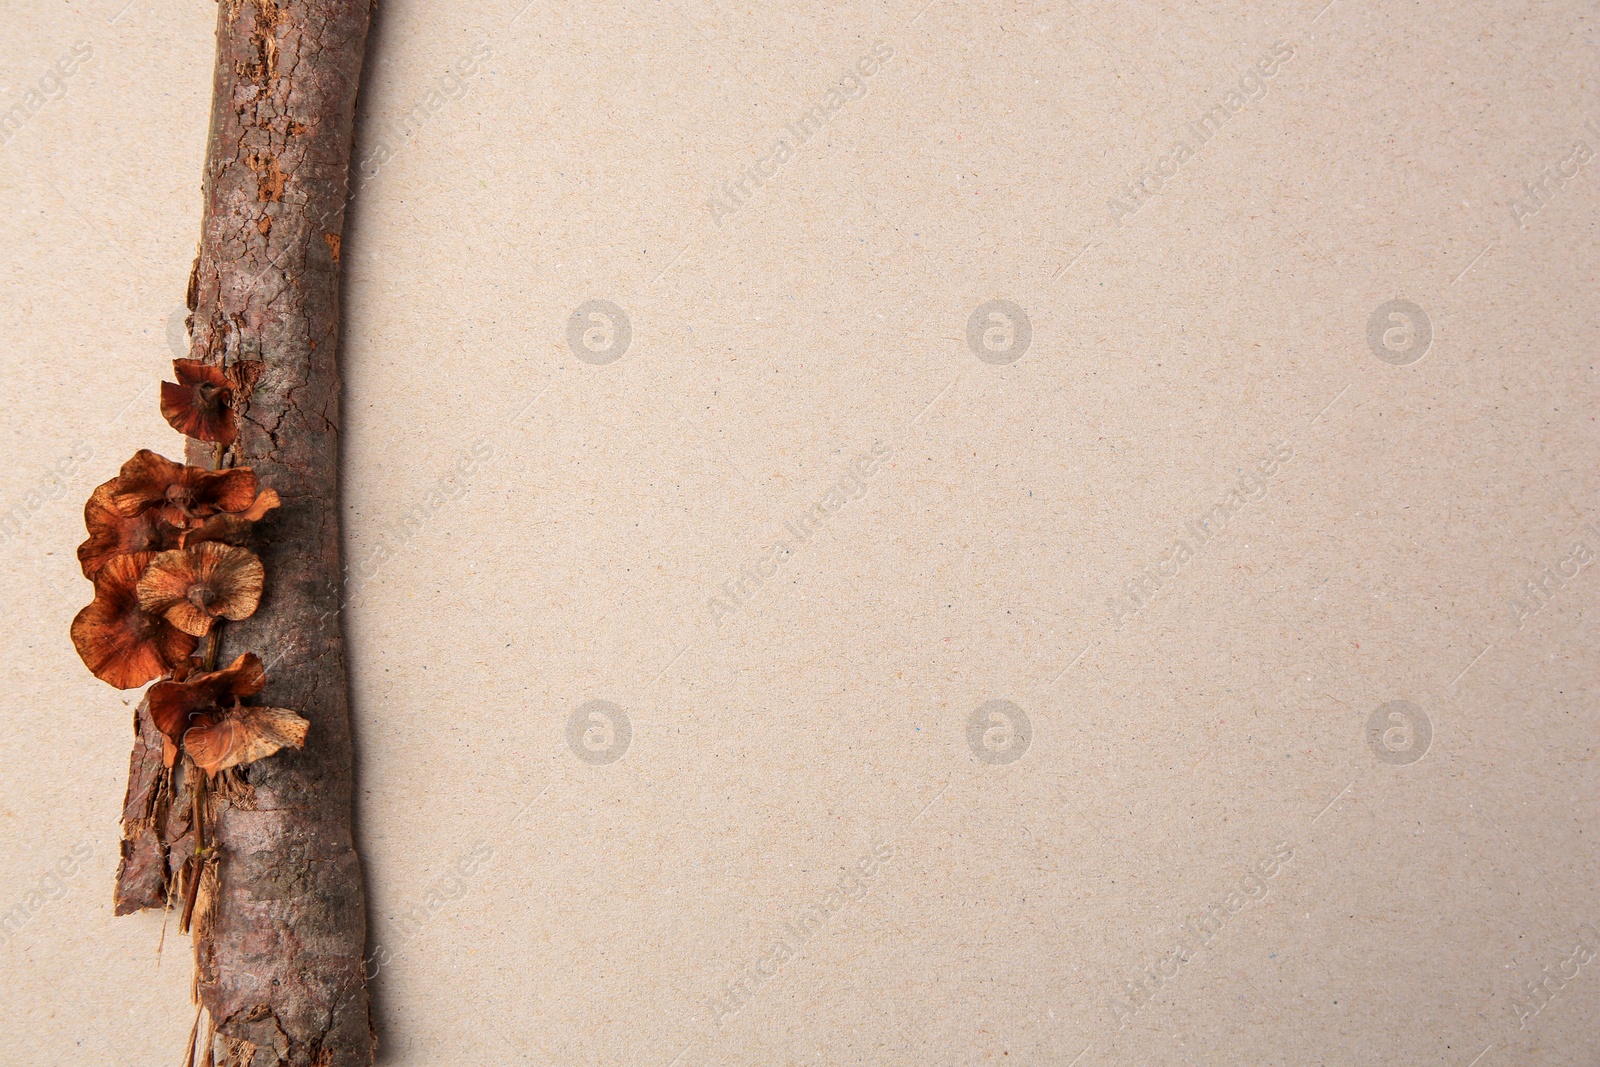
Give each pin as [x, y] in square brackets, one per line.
[170, 558]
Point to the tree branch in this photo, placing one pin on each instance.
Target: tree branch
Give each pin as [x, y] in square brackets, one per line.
[279, 945]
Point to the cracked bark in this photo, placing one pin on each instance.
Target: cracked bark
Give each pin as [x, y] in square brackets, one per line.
[279, 955]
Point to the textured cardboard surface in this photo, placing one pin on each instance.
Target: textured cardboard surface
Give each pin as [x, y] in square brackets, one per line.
[768, 649]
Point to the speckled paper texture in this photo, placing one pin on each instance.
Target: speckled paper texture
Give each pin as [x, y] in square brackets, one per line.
[921, 533]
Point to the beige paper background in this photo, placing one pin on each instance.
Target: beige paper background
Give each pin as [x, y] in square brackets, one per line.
[595, 511]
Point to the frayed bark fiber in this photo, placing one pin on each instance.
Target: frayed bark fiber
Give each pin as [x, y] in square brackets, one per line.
[280, 936]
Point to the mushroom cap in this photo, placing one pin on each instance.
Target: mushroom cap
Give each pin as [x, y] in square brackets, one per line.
[200, 403]
[192, 586]
[111, 533]
[203, 716]
[120, 642]
[184, 494]
[244, 735]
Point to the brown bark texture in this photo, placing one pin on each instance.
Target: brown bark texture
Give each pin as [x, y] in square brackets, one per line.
[279, 949]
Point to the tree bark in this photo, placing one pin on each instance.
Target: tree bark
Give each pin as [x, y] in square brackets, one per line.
[279, 952]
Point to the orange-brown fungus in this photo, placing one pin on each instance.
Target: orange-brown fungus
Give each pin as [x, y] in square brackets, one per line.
[202, 716]
[111, 533]
[192, 586]
[231, 528]
[202, 402]
[123, 644]
[199, 403]
[182, 494]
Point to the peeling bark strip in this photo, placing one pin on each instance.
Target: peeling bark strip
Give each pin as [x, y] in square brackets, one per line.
[280, 941]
